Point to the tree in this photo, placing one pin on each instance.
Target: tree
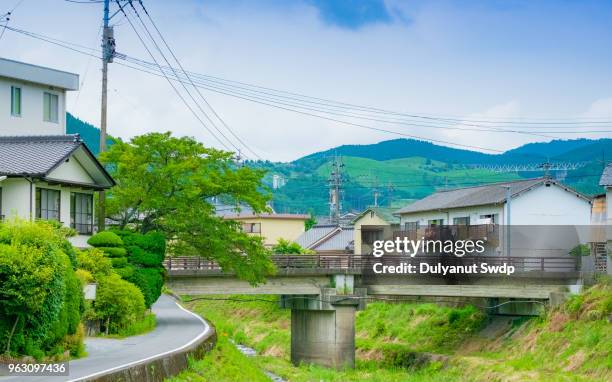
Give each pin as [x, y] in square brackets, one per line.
[286, 247]
[311, 222]
[164, 184]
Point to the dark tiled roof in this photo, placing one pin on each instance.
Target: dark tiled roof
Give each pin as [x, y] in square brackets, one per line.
[38, 155]
[474, 196]
[35, 155]
[606, 177]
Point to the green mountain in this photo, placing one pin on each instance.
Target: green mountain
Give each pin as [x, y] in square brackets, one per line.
[401, 170]
[89, 133]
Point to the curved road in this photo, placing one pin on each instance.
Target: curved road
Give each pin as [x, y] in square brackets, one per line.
[176, 328]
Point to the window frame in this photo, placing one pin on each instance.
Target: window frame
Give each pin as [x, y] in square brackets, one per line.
[49, 118]
[38, 203]
[89, 213]
[14, 90]
[412, 226]
[461, 221]
[251, 227]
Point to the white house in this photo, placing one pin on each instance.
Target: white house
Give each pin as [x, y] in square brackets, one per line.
[44, 173]
[33, 98]
[524, 218]
[540, 201]
[606, 181]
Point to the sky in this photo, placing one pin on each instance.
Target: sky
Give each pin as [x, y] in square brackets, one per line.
[477, 60]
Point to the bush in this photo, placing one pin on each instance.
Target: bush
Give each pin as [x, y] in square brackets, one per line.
[85, 277]
[153, 242]
[113, 251]
[118, 304]
[126, 272]
[41, 299]
[119, 262]
[150, 281]
[94, 261]
[144, 259]
[105, 239]
[286, 247]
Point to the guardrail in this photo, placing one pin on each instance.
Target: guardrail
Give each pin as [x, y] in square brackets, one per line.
[360, 263]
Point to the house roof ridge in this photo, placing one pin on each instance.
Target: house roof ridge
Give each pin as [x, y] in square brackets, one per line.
[41, 138]
[542, 178]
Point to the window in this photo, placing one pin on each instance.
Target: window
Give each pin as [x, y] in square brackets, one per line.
[370, 236]
[81, 212]
[50, 107]
[15, 101]
[435, 222]
[461, 221]
[251, 227]
[411, 226]
[489, 219]
[47, 204]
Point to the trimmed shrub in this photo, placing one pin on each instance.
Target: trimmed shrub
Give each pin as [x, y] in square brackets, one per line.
[144, 259]
[150, 281]
[119, 262]
[113, 251]
[125, 272]
[118, 303]
[105, 239]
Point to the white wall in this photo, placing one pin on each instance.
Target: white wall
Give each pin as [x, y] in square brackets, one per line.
[16, 198]
[550, 206]
[31, 120]
[71, 171]
[448, 216]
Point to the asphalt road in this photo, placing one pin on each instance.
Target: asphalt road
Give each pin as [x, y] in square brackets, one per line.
[176, 328]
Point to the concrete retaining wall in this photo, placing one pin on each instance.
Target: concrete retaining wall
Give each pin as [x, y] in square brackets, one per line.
[158, 369]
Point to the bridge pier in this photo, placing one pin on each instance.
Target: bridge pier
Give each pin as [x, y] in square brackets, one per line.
[323, 326]
[323, 337]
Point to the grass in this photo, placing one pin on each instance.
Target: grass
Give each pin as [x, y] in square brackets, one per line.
[570, 343]
[137, 328]
[224, 363]
[266, 328]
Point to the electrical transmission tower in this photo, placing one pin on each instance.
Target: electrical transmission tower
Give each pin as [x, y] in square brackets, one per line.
[335, 189]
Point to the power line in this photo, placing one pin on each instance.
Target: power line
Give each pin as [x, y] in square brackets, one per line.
[159, 50]
[195, 87]
[7, 17]
[169, 81]
[164, 74]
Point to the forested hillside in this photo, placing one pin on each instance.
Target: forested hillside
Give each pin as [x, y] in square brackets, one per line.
[401, 170]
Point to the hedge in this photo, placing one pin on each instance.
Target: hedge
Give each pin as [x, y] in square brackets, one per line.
[105, 239]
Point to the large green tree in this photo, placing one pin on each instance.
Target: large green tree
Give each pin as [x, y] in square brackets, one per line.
[165, 183]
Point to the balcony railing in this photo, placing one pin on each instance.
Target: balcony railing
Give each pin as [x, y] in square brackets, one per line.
[487, 232]
[364, 263]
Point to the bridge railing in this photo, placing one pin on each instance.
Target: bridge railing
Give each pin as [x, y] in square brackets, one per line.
[359, 263]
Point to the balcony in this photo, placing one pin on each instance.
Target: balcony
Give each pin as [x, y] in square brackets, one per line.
[487, 232]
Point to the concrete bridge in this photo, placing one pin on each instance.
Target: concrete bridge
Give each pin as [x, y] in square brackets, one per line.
[324, 291]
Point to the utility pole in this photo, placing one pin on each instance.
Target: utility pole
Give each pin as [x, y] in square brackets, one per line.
[390, 193]
[335, 187]
[508, 228]
[375, 191]
[108, 50]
